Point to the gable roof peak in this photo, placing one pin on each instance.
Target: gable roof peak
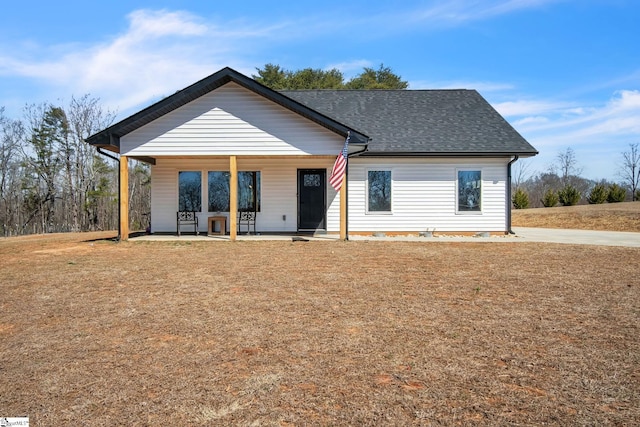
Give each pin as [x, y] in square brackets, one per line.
[109, 137]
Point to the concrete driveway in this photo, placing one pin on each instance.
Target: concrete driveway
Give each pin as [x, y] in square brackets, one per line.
[580, 237]
[522, 234]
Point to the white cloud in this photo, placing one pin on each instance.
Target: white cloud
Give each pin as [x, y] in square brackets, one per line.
[597, 133]
[150, 24]
[160, 52]
[529, 107]
[618, 115]
[627, 100]
[454, 12]
[429, 15]
[531, 121]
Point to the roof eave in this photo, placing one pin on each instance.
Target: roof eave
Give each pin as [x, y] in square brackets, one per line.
[448, 154]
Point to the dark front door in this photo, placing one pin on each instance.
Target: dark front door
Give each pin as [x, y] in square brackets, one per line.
[311, 199]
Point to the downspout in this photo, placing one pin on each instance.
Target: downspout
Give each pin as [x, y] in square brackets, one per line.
[515, 159]
[346, 183]
[104, 153]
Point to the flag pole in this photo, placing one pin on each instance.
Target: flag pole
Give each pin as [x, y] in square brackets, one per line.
[343, 210]
[344, 197]
[346, 200]
[338, 181]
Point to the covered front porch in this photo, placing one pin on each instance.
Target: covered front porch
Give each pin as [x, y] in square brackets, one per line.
[290, 195]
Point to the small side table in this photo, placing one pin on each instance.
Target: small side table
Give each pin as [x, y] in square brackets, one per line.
[211, 226]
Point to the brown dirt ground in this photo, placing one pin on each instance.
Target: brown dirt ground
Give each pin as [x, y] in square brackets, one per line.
[97, 333]
[606, 217]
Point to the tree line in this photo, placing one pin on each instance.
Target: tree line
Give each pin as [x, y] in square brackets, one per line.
[562, 183]
[51, 180]
[278, 78]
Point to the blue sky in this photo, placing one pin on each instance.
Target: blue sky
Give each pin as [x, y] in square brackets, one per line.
[564, 73]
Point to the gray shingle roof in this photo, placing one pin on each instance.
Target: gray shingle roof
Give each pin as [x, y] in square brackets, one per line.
[412, 122]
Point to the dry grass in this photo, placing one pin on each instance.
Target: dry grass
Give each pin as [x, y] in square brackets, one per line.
[606, 217]
[318, 333]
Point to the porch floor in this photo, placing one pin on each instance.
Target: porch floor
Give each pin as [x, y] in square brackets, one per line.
[203, 237]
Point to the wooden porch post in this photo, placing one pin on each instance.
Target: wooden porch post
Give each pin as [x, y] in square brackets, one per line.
[124, 198]
[343, 208]
[233, 197]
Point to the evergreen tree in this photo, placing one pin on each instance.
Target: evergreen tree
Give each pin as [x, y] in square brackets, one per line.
[616, 194]
[569, 195]
[520, 199]
[272, 76]
[315, 79]
[277, 78]
[382, 78]
[597, 195]
[49, 129]
[550, 198]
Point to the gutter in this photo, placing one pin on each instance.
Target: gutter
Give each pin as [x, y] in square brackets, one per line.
[445, 154]
[515, 159]
[366, 148]
[104, 153]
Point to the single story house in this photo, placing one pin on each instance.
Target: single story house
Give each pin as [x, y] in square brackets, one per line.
[418, 160]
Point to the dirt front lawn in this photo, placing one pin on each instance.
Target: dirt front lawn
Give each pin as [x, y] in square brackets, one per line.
[277, 333]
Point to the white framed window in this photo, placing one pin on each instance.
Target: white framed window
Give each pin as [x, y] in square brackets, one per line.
[190, 191]
[379, 191]
[469, 191]
[249, 183]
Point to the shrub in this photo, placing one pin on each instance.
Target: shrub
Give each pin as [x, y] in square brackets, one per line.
[520, 199]
[616, 194]
[598, 195]
[550, 199]
[569, 195]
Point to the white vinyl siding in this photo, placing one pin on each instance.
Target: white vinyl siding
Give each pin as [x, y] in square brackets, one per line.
[424, 195]
[278, 191]
[231, 120]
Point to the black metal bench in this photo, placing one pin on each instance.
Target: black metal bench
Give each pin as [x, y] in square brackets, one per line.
[187, 218]
[249, 219]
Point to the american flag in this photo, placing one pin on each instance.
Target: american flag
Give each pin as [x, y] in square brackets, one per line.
[339, 167]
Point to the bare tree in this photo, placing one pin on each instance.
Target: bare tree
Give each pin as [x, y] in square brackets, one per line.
[630, 169]
[101, 205]
[520, 173]
[566, 166]
[11, 132]
[85, 117]
[139, 195]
